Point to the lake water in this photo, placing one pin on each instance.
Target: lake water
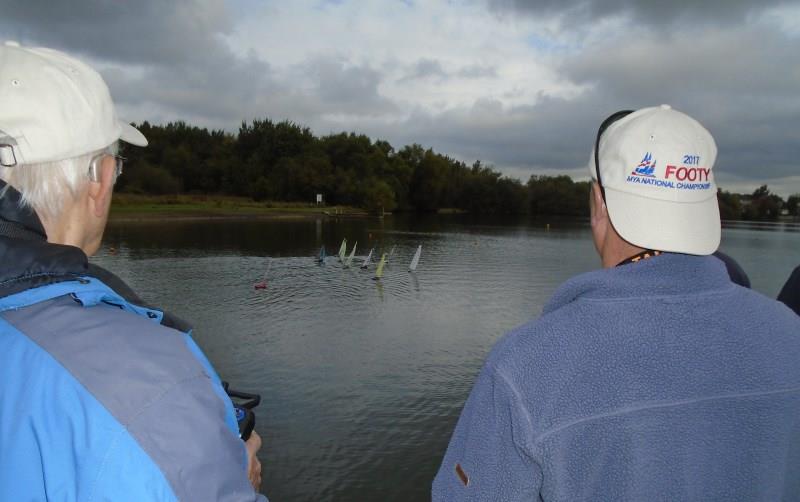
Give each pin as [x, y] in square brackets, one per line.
[361, 380]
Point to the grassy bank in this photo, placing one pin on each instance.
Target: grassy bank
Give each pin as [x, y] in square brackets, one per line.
[131, 206]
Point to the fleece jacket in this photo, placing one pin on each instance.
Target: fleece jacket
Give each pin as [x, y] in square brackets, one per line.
[656, 380]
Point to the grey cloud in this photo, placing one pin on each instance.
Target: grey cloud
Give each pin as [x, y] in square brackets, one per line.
[756, 143]
[344, 88]
[167, 60]
[425, 68]
[141, 32]
[477, 71]
[647, 12]
[735, 82]
[711, 63]
[431, 68]
[239, 87]
[554, 134]
[247, 88]
[740, 82]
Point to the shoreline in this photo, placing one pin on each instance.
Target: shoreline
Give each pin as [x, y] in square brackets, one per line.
[143, 208]
[154, 216]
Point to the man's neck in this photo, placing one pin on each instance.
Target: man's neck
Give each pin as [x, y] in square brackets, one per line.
[616, 249]
[72, 227]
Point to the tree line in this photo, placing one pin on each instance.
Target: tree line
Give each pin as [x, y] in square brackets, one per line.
[761, 205]
[283, 161]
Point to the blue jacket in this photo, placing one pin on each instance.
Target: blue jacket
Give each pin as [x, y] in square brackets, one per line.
[99, 398]
[656, 380]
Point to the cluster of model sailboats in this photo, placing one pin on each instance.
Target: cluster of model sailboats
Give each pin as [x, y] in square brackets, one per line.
[347, 259]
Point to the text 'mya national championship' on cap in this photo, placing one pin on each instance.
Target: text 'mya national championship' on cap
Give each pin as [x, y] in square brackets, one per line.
[54, 107]
[656, 166]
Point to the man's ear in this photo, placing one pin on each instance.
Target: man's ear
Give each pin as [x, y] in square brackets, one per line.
[599, 211]
[598, 218]
[100, 191]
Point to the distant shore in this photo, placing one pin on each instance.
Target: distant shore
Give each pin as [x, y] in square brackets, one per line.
[131, 207]
[134, 207]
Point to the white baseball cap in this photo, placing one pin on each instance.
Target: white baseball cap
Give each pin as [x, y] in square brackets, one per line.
[655, 166]
[54, 107]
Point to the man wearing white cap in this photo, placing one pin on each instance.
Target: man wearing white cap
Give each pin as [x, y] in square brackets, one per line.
[101, 396]
[655, 378]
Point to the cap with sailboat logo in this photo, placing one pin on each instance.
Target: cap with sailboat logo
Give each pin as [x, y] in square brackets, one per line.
[656, 166]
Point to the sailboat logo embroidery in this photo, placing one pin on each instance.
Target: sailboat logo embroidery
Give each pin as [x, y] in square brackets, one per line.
[646, 167]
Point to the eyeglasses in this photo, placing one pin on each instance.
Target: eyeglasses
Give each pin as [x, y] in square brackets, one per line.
[606, 123]
[97, 162]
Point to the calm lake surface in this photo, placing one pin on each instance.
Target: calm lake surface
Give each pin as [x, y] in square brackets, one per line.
[361, 380]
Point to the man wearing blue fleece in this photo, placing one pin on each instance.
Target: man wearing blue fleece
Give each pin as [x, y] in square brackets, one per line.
[655, 378]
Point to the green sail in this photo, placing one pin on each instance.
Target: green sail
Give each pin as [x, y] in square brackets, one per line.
[379, 270]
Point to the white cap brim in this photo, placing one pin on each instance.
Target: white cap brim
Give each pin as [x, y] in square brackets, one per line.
[131, 135]
[685, 227]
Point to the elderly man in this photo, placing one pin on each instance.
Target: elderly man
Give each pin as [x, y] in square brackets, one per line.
[101, 397]
[655, 378]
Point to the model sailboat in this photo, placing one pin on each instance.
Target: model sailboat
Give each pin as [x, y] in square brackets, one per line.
[342, 250]
[367, 259]
[322, 256]
[350, 258]
[263, 284]
[415, 260]
[379, 269]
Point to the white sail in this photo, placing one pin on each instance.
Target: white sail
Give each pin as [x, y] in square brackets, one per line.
[379, 270]
[415, 259]
[391, 254]
[342, 249]
[367, 260]
[350, 258]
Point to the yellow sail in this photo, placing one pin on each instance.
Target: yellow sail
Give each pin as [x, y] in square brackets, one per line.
[379, 270]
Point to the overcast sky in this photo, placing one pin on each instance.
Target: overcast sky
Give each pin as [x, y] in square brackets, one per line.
[521, 85]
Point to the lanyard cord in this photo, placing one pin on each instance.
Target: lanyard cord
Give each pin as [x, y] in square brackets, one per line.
[647, 253]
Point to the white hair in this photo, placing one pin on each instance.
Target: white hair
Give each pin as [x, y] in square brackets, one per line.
[47, 186]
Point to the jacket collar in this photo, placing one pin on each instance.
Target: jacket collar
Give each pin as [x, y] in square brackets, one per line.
[669, 274]
[13, 214]
[27, 260]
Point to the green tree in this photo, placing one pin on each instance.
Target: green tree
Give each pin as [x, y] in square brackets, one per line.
[730, 207]
[558, 195]
[285, 161]
[792, 204]
[428, 182]
[149, 179]
[262, 190]
[378, 196]
[764, 205]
